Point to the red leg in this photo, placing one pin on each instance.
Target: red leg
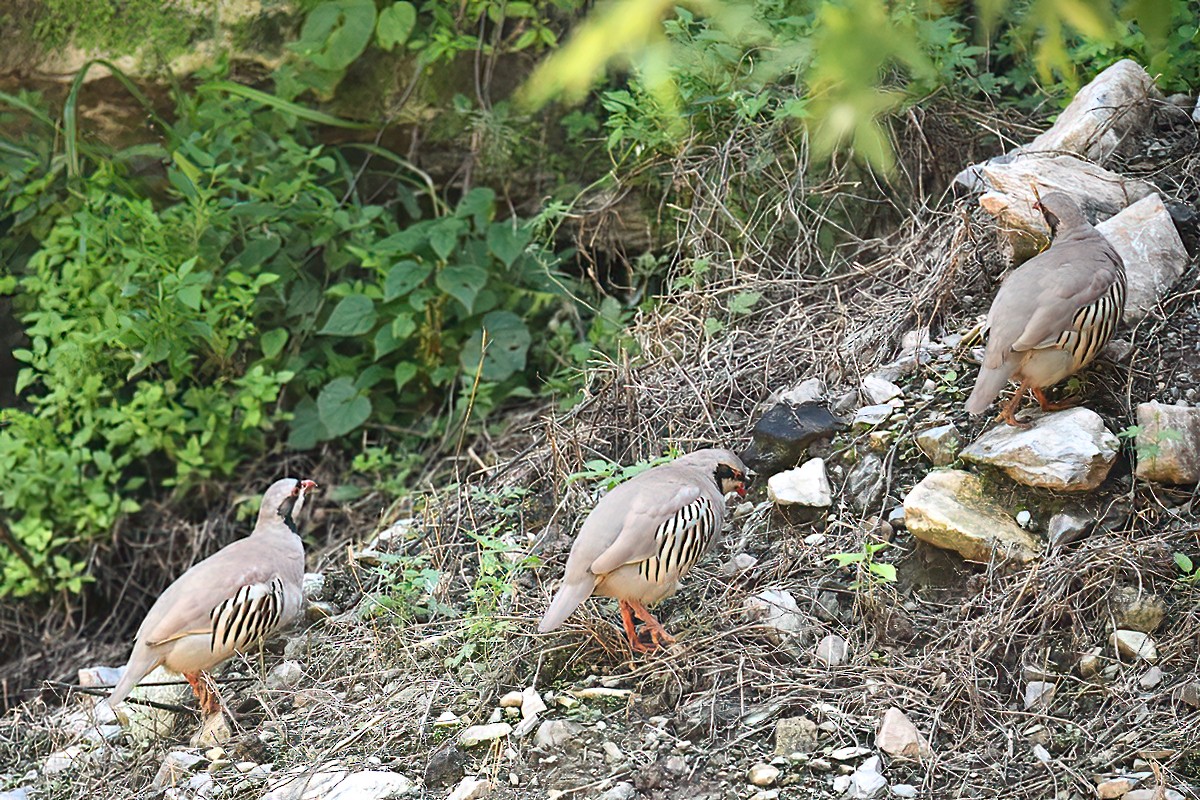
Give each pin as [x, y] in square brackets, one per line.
[1009, 413]
[1051, 405]
[205, 691]
[635, 643]
[658, 634]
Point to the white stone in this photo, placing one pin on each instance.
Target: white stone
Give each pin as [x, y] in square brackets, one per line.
[1146, 238]
[807, 391]
[777, 612]
[512, 700]
[556, 734]
[905, 790]
[1024, 518]
[478, 734]
[470, 789]
[899, 737]
[1153, 794]
[285, 675]
[176, 766]
[1168, 443]
[612, 753]
[1111, 789]
[762, 774]
[1151, 679]
[621, 791]
[531, 703]
[1067, 526]
[1134, 645]
[1070, 451]
[341, 784]
[806, 486]
[815, 539]
[1102, 114]
[738, 564]
[880, 390]
[1039, 694]
[939, 444]
[849, 753]
[951, 509]
[866, 781]
[870, 416]
[63, 760]
[832, 650]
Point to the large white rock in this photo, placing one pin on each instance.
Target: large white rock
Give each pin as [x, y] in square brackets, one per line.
[1011, 195]
[1116, 103]
[1103, 113]
[1145, 236]
[1067, 451]
[1168, 443]
[950, 509]
[807, 485]
[341, 784]
[478, 734]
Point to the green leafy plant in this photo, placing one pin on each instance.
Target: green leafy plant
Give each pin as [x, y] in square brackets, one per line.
[868, 570]
[1152, 448]
[1191, 571]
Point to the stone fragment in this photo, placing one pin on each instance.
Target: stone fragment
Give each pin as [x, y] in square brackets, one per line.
[532, 703]
[1102, 114]
[341, 784]
[445, 765]
[1154, 793]
[867, 781]
[1067, 526]
[950, 509]
[762, 774]
[795, 735]
[557, 734]
[1068, 451]
[806, 486]
[879, 390]
[811, 390]
[1188, 693]
[1134, 645]
[470, 789]
[1137, 610]
[898, 736]
[621, 791]
[1168, 443]
[1146, 238]
[864, 484]
[1039, 694]
[178, 764]
[738, 564]
[612, 752]
[478, 734]
[870, 416]
[1110, 789]
[776, 612]
[1090, 663]
[1151, 678]
[939, 444]
[512, 699]
[905, 790]
[285, 675]
[832, 650]
[782, 436]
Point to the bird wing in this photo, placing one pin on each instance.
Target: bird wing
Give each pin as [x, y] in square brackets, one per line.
[215, 595]
[638, 522]
[1039, 300]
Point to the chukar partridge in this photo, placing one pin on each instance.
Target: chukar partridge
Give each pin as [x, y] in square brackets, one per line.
[644, 536]
[227, 603]
[1053, 314]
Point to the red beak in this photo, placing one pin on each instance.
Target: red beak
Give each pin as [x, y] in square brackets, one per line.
[740, 489]
[307, 486]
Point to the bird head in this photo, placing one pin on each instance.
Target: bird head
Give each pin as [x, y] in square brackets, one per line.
[726, 468]
[1058, 208]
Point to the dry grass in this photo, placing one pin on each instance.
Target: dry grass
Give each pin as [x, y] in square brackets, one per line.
[947, 643]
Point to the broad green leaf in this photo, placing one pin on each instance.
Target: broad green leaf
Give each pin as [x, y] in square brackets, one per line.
[336, 32]
[404, 373]
[395, 24]
[885, 571]
[477, 203]
[742, 302]
[462, 283]
[342, 407]
[403, 277]
[272, 342]
[256, 252]
[1183, 562]
[353, 316]
[507, 241]
[306, 428]
[190, 296]
[507, 342]
[443, 238]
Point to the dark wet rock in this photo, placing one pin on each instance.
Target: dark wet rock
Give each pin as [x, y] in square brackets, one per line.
[782, 436]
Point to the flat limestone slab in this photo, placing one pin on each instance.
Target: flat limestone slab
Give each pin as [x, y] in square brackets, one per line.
[950, 509]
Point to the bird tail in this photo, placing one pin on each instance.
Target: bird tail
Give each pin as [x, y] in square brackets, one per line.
[568, 598]
[991, 380]
[141, 662]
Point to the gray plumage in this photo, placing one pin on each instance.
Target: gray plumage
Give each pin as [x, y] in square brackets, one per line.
[1054, 313]
[229, 601]
[646, 534]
